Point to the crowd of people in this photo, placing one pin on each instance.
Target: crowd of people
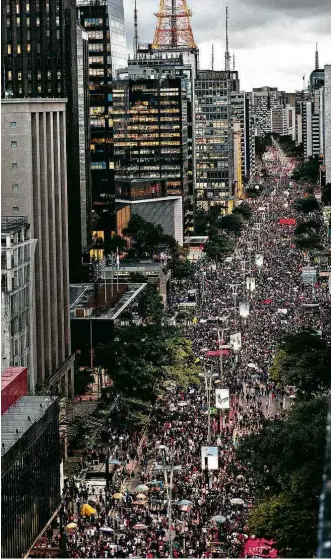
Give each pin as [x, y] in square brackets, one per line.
[209, 509]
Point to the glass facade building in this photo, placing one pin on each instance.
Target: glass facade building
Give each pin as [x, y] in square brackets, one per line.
[104, 24]
[213, 135]
[30, 471]
[150, 131]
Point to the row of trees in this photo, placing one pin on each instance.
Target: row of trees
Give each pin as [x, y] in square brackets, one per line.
[307, 171]
[223, 231]
[289, 146]
[142, 362]
[286, 457]
[307, 235]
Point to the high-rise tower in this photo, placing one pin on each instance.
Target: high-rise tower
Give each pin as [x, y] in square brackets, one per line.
[316, 58]
[173, 30]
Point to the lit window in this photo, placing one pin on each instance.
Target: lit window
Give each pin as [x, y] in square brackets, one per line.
[19, 76]
[15, 209]
[18, 8]
[8, 49]
[39, 88]
[19, 50]
[28, 47]
[49, 75]
[28, 22]
[14, 187]
[18, 21]
[14, 165]
[10, 76]
[13, 124]
[27, 9]
[58, 74]
[38, 21]
[8, 22]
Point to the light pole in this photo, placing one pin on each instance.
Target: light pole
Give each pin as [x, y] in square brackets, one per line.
[168, 471]
[234, 287]
[208, 376]
[220, 334]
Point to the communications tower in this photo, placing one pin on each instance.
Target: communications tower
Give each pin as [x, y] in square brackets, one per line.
[173, 29]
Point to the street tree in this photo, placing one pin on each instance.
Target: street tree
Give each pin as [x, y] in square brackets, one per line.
[233, 223]
[219, 247]
[243, 210]
[150, 306]
[303, 360]
[306, 205]
[326, 194]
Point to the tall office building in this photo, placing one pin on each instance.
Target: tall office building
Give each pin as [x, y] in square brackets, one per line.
[213, 131]
[39, 60]
[17, 270]
[105, 28]
[34, 185]
[241, 111]
[327, 122]
[263, 100]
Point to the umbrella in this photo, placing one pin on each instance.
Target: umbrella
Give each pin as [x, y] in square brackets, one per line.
[182, 404]
[185, 508]
[184, 502]
[141, 487]
[156, 482]
[87, 510]
[219, 519]
[115, 462]
[140, 526]
[71, 526]
[162, 447]
[106, 529]
[141, 496]
[237, 501]
[252, 366]
[142, 503]
[117, 496]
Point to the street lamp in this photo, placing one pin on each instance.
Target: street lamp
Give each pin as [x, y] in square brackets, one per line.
[168, 471]
[208, 376]
[244, 310]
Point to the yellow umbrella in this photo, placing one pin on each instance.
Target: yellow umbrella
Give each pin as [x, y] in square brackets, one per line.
[71, 526]
[117, 496]
[87, 510]
[141, 496]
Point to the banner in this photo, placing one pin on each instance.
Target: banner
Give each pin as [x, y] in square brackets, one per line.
[259, 547]
[250, 284]
[259, 260]
[209, 457]
[235, 341]
[222, 398]
[217, 353]
[244, 309]
[309, 275]
[287, 221]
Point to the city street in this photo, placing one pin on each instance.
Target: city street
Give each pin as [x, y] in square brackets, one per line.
[178, 505]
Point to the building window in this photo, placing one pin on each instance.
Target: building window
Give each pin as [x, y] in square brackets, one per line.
[10, 76]
[27, 8]
[28, 22]
[15, 209]
[18, 48]
[18, 21]
[8, 49]
[38, 21]
[14, 165]
[8, 22]
[18, 8]
[13, 144]
[13, 124]
[19, 76]
[14, 187]
[58, 74]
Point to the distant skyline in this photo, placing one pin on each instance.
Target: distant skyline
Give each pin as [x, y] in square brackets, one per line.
[274, 41]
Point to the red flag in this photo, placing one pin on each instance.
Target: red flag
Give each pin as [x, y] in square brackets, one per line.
[287, 221]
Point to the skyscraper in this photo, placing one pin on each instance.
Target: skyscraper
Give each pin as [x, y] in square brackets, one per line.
[213, 135]
[34, 186]
[327, 122]
[39, 60]
[104, 23]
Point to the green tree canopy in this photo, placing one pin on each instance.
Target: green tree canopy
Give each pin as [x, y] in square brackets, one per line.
[307, 241]
[219, 247]
[243, 210]
[145, 237]
[307, 171]
[233, 223]
[181, 269]
[303, 360]
[286, 461]
[326, 194]
[150, 306]
[306, 205]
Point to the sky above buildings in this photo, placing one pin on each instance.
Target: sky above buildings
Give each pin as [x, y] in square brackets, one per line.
[273, 40]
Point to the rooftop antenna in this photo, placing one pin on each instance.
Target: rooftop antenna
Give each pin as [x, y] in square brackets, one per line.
[135, 40]
[227, 54]
[212, 57]
[233, 61]
[316, 58]
[303, 82]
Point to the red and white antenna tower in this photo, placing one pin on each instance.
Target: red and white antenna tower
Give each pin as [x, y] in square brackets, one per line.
[173, 30]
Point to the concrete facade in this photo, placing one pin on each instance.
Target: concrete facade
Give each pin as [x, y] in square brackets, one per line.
[34, 140]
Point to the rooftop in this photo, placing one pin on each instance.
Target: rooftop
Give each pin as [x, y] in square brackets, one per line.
[112, 299]
[13, 223]
[18, 419]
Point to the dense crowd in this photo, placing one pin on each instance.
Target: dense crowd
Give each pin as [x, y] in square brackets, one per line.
[209, 509]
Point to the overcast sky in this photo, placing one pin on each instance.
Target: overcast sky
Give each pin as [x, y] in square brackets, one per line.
[274, 40]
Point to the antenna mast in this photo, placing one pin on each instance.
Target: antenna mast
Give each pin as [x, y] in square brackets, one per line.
[173, 29]
[212, 57]
[233, 61]
[316, 59]
[227, 54]
[135, 40]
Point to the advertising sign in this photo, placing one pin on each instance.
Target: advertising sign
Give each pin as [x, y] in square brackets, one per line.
[250, 284]
[235, 341]
[209, 457]
[244, 309]
[259, 260]
[222, 398]
[309, 275]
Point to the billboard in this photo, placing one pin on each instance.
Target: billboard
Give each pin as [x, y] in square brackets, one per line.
[222, 398]
[250, 284]
[209, 458]
[235, 341]
[309, 275]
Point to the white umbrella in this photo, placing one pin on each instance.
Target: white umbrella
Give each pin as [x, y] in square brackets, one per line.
[182, 404]
[106, 529]
[237, 501]
[252, 366]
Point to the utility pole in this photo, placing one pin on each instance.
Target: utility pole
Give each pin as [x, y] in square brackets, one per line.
[234, 287]
[168, 473]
